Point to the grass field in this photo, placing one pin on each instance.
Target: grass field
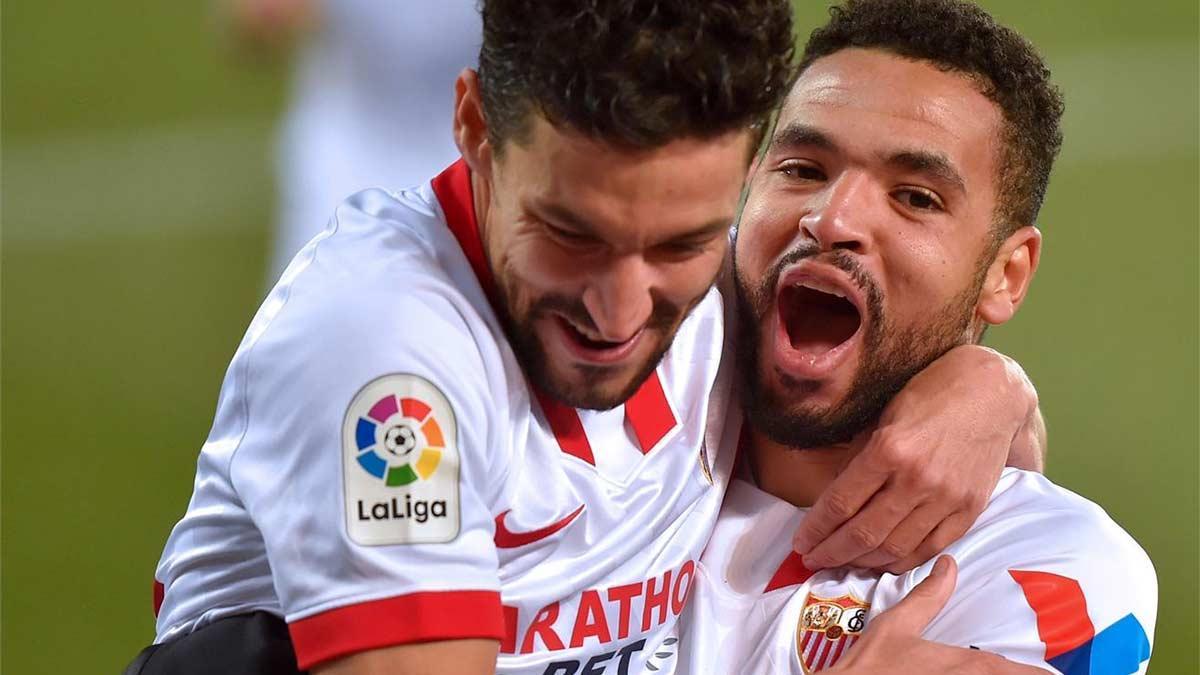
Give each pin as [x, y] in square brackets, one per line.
[136, 205]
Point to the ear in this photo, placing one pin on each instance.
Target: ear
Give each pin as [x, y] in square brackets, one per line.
[470, 124]
[1009, 276]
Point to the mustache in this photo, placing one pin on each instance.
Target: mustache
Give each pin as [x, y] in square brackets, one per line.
[841, 259]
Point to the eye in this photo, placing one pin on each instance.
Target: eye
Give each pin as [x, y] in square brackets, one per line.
[680, 250]
[919, 199]
[567, 237]
[801, 170]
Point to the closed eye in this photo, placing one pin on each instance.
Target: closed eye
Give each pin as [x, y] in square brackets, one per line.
[568, 237]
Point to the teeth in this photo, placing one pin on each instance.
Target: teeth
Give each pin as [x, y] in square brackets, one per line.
[818, 286]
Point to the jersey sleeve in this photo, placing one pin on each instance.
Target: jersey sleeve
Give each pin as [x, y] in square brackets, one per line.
[370, 454]
[1058, 586]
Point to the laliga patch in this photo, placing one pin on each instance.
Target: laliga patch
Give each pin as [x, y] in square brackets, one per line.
[400, 463]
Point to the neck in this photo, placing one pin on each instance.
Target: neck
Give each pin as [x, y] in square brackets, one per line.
[799, 475]
[480, 200]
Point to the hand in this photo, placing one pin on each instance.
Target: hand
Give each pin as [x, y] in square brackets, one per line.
[892, 642]
[928, 468]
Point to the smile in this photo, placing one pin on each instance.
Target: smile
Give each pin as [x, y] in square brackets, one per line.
[592, 350]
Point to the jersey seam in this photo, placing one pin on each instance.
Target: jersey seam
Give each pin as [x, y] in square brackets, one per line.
[246, 366]
[362, 599]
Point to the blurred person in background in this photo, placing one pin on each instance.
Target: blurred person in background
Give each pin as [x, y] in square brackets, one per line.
[371, 99]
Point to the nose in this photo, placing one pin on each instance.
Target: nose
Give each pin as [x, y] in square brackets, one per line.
[839, 221]
[618, 299]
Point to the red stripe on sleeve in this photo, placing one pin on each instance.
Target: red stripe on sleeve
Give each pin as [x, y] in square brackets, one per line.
[159, 593]
[404, 619]
[1062, 618]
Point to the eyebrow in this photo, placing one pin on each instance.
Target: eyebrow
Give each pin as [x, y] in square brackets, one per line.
[930, 164]
[935, 165]
[563, 216]
[802, 135]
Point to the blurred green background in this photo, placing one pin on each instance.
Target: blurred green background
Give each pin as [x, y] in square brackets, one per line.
[137, 198]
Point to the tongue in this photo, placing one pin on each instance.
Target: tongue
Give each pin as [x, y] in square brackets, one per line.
[817, 322]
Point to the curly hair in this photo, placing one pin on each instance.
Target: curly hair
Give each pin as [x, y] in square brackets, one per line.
[960, 37]
[634, 73]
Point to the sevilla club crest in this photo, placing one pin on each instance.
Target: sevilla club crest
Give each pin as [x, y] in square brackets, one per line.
[828, 627]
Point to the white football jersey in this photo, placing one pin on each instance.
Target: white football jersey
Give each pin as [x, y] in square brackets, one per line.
[380, 473]
[1045, 578]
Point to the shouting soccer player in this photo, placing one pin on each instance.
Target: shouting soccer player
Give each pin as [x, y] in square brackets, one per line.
[486, 424]
[890, 220]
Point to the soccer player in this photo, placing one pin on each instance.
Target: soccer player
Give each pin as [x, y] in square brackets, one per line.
[485, 424]
[891, 219]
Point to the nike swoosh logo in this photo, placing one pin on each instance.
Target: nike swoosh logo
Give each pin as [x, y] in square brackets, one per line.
[506, 538]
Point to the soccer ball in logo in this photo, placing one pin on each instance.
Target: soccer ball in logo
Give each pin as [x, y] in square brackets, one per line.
[400, 439]
[392, 433]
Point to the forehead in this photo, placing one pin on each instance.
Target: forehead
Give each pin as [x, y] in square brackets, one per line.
[681, 182]
[877, 101]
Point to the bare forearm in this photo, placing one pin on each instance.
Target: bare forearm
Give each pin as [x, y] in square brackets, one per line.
[447, 657]
[1029, 446]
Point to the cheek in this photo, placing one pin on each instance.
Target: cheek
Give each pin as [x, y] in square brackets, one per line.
[541, 267]
[683, 284]
[761, 239]
[921, 272]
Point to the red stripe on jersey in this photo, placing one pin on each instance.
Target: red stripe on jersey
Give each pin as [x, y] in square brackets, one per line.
[452, 188]
[159, 592]
[649, 413]
[404, 619]
[1062, 618]
[839, 646]
[790, 573]
[567, 427]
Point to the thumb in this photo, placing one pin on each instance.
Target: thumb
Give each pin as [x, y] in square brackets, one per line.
[924, 602]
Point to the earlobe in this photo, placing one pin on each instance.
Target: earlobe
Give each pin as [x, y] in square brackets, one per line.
[470, 124]
[1010, 276]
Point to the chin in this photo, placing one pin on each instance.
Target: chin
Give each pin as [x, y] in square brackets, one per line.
[585, 387]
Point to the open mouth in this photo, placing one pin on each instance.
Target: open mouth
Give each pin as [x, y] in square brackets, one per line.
[592, 349]
[817, 320]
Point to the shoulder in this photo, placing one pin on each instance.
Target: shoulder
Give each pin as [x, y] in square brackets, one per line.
[1031, 519]
[385, 282]
[1050, 570]
[383, 292]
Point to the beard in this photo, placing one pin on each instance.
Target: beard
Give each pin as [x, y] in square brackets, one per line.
[891, 355]
[588, 387]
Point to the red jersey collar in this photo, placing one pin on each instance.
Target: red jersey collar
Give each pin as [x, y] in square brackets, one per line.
[452, 188]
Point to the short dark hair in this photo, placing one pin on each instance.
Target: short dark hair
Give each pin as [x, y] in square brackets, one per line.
[960, 37]
[635, 73]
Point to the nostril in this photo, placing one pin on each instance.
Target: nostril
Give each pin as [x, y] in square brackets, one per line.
[852, 245]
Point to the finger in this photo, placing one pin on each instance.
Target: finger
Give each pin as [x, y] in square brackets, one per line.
[853, 488]
[949, 531]
[864, 532]
[925, 600]
[905, 539]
